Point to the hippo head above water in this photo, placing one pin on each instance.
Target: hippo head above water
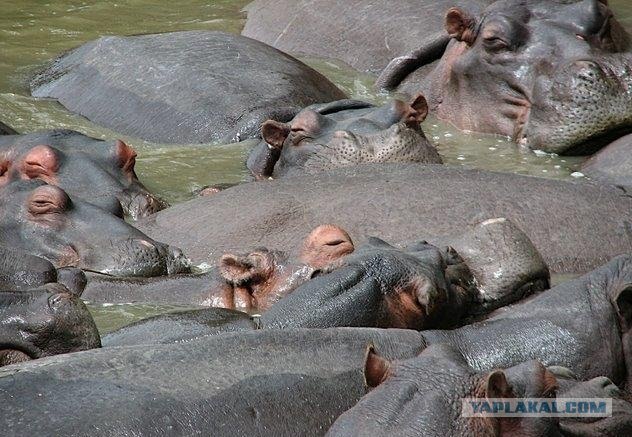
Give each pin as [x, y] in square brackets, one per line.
[43, 220]
[343, 133]
[553, 75]
[99, 172]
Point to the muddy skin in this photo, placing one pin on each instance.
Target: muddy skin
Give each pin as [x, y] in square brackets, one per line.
[239, 83]
[343, 134]
[44, 221]
[612, 165]
[422, 396]
[406, 203]
[42, 322]
[365, 36]
[6, 130]
[96, 171]
[547, 68]
[233, 384]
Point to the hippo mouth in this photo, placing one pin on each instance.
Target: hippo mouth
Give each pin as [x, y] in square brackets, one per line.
[587, 104]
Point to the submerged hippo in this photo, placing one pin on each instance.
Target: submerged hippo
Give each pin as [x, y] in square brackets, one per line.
[340, 134]
[612, 165]
[365, 35]
[406, 202]
[97, 171]
[553, 75]
[42, 322]
[43, 220]
[265, 383]
[183, 87]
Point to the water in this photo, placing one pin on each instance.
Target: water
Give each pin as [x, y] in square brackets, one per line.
[33, 32]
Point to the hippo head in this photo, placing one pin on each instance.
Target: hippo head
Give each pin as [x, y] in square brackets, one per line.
[423, 396]
[101, 175]
[44, 322]
[254, 282]
[325, 137]
[553, 75]
[43, 220]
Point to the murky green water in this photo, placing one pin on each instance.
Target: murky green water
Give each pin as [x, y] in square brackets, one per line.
[33, 31]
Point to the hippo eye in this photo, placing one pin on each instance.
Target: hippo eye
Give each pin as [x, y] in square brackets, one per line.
[494, 43]
[43, 206]
[334, 243]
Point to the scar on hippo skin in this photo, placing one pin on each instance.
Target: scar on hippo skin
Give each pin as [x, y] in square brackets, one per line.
[255, 281]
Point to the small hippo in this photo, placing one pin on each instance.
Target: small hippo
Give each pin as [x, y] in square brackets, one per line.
[96, 171]
[340, 134]
[42, 322]
[43, 220]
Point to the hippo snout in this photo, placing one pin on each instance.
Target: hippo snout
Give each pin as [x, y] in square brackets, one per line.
[141, 204]
[142, 257]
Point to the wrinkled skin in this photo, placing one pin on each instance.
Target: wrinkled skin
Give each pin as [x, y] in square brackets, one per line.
[556, 73]
[343, 134]
[250, 383]
[96, 171]
[612, 164]
[407, 202]
[43, 220]
[22, 271]
[210, 85]
[6, 130]
[422, 396]
[365, 35]
[43, 322]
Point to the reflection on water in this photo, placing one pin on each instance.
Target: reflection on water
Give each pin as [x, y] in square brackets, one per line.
[32, 32]
[110, 317]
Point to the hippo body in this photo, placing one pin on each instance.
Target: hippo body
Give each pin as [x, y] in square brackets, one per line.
[341, 134]
[42, 322]
[543, 69]
[405, 203]
[43, 220]
[97, 171]
[182, 87]
[246, 383]
[612, 164]
[365, 35]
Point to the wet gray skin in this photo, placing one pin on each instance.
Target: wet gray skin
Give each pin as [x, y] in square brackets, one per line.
[96, 171]
[423, 395]
[42, 322]
[342, 134]
[612, 164]
[554, 74]
[209, 85]
[246, 383]
[43, 220]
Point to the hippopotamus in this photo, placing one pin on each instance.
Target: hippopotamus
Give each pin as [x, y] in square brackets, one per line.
[183, 87]
[612, 164]
[45, 221]
[45, 321]
[6, 130]
[268, 383]
[343, 133]
[406, 202]
[364, 35]
[542, 69]
[97, 171]
[423, 396]
[22, 271]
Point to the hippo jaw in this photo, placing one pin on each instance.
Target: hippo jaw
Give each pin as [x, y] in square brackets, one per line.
[586, 100]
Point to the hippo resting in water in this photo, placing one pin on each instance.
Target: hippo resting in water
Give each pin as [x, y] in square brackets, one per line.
[183, 87]
[343, 133]
[44, 221]
[553, 75]
[42, 322]
[407, 202]
[99, 172]
[612, 164]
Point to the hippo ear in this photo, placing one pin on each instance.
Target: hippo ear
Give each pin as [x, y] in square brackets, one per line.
[496, 386]
[623, 305]
[460, 25]
[375, 368]
[275, 133]
[420, 105]
[125, 156]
